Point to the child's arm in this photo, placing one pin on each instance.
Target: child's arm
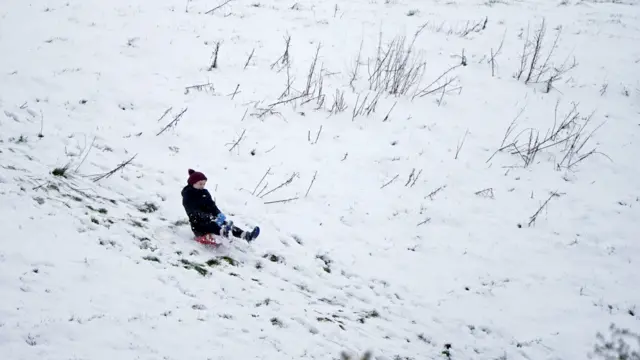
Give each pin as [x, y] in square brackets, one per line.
[197, 211]
[197, 214]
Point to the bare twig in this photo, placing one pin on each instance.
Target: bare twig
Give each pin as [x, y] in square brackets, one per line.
[165, 113]
[319, 98]
[533, 217]
[566, 135]
[492, 59]
[97, 178]
[214, 57]
[461, 144]
[506, 134]
[289, 83]
[310, 185]
[488, 192]
[40, 134]
[86, 154]
[531, 61]
[476, 27]
[235, 92]
[424, 222]
[217, 7]
[415, 178]
[434, 192]
[261, 180]
[511, 126]
[354, 72]
[249, 59]
[545, 65]
[312, 69]
[538, 39]
[286, 100]
[603, 89]
[429, 90]
[365, 107]
[281, 185]
[284, 58]
[389, 182]
[87, 193]
[389, 113]
[339, 104]
[207, 86]
[263, 112]
[238, 141]
[281, 201]
[263, 188]
[319, 84]
[395, 68]
[413, 171]
[174, 122]
[317, 136]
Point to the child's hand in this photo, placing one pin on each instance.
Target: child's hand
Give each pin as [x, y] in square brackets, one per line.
[220, 219]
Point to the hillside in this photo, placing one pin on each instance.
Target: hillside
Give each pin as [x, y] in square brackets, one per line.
[433, 179]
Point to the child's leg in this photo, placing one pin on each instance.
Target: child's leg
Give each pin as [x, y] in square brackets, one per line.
[229, 226]
[236, 231]
[210, 228]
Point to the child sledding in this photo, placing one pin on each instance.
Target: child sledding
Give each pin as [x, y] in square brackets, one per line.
[204, 216]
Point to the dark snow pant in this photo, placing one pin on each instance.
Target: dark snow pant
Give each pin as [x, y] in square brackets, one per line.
[214, 228]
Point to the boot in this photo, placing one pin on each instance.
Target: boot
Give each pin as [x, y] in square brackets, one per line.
[250, 236]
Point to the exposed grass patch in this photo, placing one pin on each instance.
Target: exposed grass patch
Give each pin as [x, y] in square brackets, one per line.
[369, 315]
[274, 258]
[148, 207]
[151, 258]
[61, 171]
[195, 266]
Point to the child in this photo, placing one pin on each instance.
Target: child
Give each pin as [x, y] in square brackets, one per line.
[204, 216]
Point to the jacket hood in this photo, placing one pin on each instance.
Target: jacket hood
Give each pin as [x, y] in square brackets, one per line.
[187, 189]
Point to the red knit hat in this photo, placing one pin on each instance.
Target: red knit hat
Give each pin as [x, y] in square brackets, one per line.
[195, 176]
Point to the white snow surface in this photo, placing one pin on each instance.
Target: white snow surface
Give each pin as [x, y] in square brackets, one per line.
[366, 256]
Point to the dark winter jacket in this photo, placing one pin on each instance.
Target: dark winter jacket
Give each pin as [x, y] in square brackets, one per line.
[201, 209]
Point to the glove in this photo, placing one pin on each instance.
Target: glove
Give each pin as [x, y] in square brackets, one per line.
[220, 219]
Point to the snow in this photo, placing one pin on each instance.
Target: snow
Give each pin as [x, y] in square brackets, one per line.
[365, 256]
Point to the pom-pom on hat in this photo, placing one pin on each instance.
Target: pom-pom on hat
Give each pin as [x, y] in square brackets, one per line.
[195, 176]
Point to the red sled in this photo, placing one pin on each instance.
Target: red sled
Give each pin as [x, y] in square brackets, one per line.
[208, 239]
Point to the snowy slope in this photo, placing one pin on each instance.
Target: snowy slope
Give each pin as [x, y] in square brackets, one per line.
[403, 230]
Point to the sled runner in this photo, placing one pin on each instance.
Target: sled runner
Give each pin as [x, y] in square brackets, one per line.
[208, 239]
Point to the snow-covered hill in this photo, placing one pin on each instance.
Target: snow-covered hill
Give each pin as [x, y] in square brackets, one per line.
[424, 190]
